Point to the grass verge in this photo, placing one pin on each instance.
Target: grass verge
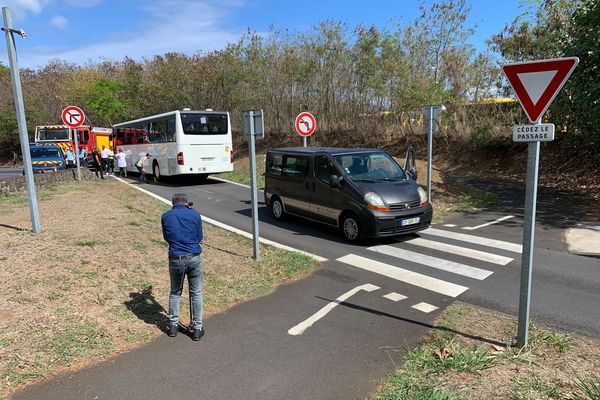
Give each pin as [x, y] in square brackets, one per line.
[100, 285]
[468, 356]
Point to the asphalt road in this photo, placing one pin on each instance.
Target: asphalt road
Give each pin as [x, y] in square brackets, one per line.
[9, 172]
[392, 291]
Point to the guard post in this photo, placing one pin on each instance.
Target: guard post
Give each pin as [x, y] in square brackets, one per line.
[254, 128]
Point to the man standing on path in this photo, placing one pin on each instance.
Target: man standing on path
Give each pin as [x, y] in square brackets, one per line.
[182, 229]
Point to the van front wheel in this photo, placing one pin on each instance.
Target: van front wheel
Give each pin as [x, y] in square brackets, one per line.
[277, 208]
[351, 228]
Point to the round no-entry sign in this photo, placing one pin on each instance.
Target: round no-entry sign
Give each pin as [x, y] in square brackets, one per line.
[73, 116]
[305, 124]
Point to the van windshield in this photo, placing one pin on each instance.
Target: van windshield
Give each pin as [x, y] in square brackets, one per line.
[45, 153]
[372, 166]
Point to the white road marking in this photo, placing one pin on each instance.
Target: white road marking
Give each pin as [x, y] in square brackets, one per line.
[307, 323]
[433, 262]
[393, 296]
[404, 275]
[499, 244]
[461, 251]
[450, 225]
[425, 307]
[228, 227]
[472, 228]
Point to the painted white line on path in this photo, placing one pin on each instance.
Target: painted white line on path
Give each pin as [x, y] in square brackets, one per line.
[307, 323]
[461, 251]
[450, 225]
[499, 244]
[433, 262]
[404, 275]
[472, 228]
[216, 178]
[425, 307]
[393, 296]
[228, 227]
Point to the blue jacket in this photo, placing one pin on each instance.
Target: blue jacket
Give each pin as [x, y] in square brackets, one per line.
[182, 229]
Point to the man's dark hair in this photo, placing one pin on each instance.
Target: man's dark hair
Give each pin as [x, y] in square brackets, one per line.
[179, 198]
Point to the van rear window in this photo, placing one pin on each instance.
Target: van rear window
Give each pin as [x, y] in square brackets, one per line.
[296, 166]
[274, 164]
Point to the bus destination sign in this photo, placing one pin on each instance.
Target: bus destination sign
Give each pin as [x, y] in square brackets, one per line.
[533, 133]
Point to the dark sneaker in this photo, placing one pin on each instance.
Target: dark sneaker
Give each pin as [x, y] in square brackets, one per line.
[198, 333]
[173, 329]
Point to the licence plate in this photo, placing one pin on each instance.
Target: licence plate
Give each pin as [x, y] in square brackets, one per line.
[410, 221]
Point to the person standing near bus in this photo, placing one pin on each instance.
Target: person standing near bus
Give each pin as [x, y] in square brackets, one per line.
[140, 166]
[97, 162]
[182, 230]
[70, 156]
[121, 163]
[104, 159]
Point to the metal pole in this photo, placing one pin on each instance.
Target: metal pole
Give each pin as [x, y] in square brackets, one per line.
[20, 109]
[254, 191]
[76, 132]
[533, 160]
[304, 141]
[429, 152]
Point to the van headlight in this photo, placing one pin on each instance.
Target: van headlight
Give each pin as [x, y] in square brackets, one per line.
[375, 202]
[423, 196]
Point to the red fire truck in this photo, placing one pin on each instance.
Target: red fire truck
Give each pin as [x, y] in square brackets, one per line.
[64, 136]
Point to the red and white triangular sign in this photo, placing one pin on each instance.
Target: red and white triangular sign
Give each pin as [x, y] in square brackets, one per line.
[536, 83]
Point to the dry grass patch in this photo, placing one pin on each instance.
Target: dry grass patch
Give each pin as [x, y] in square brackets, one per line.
[469, 356]
[95, 281]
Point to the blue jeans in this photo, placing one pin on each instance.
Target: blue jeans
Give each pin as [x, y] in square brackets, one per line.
[178, 269]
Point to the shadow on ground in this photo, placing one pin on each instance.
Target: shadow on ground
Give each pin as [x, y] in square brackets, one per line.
[145, 307]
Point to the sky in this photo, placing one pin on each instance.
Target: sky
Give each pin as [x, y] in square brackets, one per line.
[82, 31]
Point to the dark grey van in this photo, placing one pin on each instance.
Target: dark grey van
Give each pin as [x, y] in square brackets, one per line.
[364, 192]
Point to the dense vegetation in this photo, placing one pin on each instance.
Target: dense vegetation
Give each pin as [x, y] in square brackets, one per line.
[364, 84]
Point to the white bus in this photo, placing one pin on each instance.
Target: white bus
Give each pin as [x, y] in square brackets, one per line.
[180, 142]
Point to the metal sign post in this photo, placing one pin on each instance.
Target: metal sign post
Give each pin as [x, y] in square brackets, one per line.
[533, 162]
[304, 141]
[74, 117]
[253, 128]
[431, 113]
[536, 84]
[22, 123]
[77, 154]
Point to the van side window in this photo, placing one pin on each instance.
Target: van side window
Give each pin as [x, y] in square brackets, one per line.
[324, 168]
[296, 166]
[274, 164]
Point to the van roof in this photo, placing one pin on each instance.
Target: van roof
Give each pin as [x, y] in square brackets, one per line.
[327, 150]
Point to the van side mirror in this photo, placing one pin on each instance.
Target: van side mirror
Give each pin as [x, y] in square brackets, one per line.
[413, 172]
[335, 181]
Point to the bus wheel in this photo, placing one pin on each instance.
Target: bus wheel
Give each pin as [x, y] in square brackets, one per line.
[156, 171]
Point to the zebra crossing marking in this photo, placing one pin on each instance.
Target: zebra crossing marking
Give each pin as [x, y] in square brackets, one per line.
[425, 307]
[500, 244]
[393, 296]
[461, 251]
[433, 262]
[404, 275]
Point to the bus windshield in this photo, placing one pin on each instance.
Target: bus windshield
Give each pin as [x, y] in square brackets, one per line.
[204, 124]
[372, 166]
[61, 134]
[45, 153]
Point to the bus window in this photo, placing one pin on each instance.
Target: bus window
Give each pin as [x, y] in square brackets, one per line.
[171, 129]
[160, 130]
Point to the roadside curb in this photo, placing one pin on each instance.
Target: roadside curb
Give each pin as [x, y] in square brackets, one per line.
[228, 227]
